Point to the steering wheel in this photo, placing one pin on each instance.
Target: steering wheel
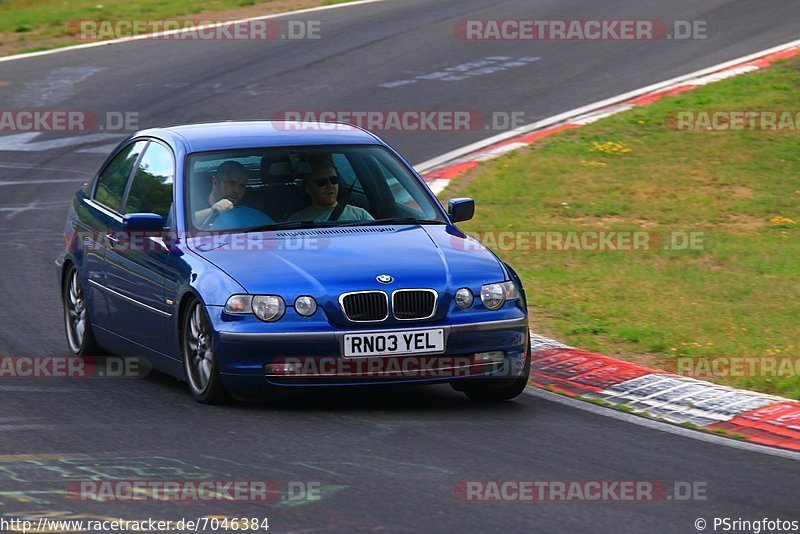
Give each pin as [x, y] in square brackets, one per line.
[238, 217]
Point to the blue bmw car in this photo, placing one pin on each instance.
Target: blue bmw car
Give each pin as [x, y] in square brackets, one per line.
[249, 257]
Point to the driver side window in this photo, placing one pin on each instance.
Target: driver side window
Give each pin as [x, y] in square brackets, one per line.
[151, 190]
[111, 184]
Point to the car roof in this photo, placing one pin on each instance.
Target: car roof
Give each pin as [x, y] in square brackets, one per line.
[254, 134]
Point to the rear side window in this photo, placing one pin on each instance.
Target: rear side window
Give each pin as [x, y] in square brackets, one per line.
[112, 181]
[151, 190]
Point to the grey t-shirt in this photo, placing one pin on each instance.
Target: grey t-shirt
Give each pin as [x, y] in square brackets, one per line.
[349, 213]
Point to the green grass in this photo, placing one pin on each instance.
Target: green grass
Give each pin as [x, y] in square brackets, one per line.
[738, 296]
[27, 26]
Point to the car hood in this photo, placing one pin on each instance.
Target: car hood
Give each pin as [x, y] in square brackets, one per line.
[326, 262]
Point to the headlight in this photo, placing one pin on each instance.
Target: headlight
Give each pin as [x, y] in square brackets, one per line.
[239, 304]
[464, 298]
[268, 307]
[305, 306]
[494, 296]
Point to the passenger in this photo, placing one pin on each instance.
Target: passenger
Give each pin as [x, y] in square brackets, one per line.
[228, 187]
[322, 185]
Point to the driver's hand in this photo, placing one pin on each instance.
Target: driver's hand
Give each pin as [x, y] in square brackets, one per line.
[222, 206]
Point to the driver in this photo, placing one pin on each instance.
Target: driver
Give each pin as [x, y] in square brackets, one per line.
[322, 185]
[228, 187]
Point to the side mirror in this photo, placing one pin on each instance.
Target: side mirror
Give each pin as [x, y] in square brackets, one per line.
[142, 222]
[461, 209]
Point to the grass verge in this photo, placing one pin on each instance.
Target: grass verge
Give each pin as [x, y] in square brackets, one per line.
[736, 293]
[27, 26]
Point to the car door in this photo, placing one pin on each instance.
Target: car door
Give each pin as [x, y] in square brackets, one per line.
[136, 261]
[101, 211]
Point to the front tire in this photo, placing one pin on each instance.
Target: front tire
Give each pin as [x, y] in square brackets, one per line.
[199, 356]
[80, 337]
[486, 391]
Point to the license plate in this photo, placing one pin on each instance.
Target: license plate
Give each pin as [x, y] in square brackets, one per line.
[388, 343]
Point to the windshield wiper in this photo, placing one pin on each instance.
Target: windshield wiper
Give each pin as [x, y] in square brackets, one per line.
[290, 225]
[392, 220]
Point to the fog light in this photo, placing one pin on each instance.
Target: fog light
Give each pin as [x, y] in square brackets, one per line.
[305, 306]
[284, 368]
[464, 298]
[497, 356]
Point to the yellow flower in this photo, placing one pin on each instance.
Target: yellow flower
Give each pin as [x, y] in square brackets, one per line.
[782, 221]
[609, 147]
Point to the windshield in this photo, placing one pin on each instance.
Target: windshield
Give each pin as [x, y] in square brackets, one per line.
[300, 187]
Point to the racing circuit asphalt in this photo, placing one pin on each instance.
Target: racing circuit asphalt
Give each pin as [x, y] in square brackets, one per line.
[386, 460]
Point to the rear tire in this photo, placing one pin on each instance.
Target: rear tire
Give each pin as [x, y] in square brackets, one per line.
[199, 356]
[80, 337]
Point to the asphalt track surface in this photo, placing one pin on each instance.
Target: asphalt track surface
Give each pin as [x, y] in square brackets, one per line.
[385, 460]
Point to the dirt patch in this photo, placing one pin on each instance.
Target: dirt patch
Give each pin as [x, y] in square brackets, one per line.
[613, 220]
[741, 191]
[741, 223]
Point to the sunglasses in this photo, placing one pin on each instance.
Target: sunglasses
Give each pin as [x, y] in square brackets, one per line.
[322, 182]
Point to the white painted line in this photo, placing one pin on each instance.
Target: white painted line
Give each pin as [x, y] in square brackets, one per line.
[430, 164]
[663, 427]
[31, 166]
[602, 114]
[711, 401]
[29, 182]
[678, 384]
[102, 149]
[502, 149]
[539, 343]
[465, 71]
[437, 186]
[26, 142]
[693, 390]
[711, 78]
[648, 382]
[172, 32]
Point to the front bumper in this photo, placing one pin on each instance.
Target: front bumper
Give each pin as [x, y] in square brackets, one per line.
[251, 360]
